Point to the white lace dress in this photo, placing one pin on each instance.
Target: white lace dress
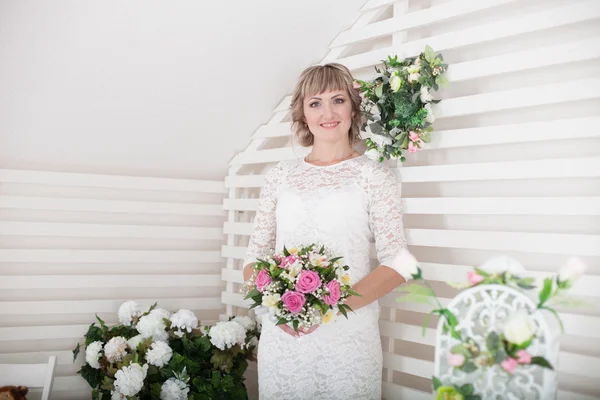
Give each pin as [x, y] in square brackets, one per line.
[344, 206]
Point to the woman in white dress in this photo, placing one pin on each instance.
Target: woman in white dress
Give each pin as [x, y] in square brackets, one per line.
[342, 199]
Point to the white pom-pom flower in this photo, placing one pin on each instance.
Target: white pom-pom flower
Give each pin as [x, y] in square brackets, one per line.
[159, 354]
[227, 334]
[115, 349]
[134, 342]
[128, 311]
[115, 395]
[153, 325]
[246, 322]
[130, 380]
[183, 320]
[174, 389]
[92, 354]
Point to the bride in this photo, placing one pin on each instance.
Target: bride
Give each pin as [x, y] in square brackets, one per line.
[342, 199]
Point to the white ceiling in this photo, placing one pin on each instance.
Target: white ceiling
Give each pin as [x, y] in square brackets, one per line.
[157, 88]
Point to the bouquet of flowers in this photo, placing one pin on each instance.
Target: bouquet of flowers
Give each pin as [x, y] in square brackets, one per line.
[301, 287]
[509, 347]
[397, 104]
[153, 354]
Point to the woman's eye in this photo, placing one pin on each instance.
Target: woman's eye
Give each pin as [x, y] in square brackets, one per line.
[314, 104]
[339, 101]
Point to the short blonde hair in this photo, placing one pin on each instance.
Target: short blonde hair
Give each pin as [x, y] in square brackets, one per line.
[319, 79]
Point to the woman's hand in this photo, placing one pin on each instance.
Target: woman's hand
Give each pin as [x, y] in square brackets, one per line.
[302, 332]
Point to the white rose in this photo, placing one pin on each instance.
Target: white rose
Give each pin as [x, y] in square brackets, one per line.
[183, 320]
[519, 328]
[373, 154]
[159, 354]
[395, 83]
[413, 69]
[571, 271]
[128, 311]
[130, 380]
[92, 354]
[134, 342]
[430, 117]
[405, 264]
[295, 269]
[381, 140]
[425, 94]
[174, 389]
[152, 325]
[414, 77]
[115, 349]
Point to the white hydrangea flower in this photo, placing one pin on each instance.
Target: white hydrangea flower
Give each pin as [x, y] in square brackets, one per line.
[183, 320]
[226, 334]
[116, 395]
[128, 311]
[115, 349]
[174, 389]
[246, 322]
[130, 380]
[134, 342]
[92, 354]
[152, 325]
[159, 354]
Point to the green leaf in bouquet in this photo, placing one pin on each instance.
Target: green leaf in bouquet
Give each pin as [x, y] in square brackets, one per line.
[461, 349]
[91, 375]
[441, 81]
[526, 283]
[282, 321]
[108, 383]
[334, 259]
[472, 346]
[482, 272]
[285, 251]
[468, 367]
[500, 355]
[342, 308]
[111, 371]
[426, 321]
[379, 90]
[353, 293]
[93, 334]
[76, 352]
[295, 324]
[222, 360]
[155, 390]
[546, 291]
[429, 54]
[201, 396]
[126, 360]
[95, 394]
[102, 324]
[415, 96]
[541, 361]
[553, 311]
[493, 342]
[216, 379]
[425, 136]
[466, 389]
[376, 128]
[436, 383]
[227, 383]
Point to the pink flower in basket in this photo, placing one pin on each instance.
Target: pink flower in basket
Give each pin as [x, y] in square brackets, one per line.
[509, 364]
[262, 280]
[523, 357]
[474, 278]
[308, 282]
[293, 301]
[334, 293]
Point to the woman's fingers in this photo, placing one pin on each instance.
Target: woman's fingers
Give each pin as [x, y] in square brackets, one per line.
[288, 330]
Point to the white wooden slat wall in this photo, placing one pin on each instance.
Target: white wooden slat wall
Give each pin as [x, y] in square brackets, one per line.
[73, 245]
[513, 168]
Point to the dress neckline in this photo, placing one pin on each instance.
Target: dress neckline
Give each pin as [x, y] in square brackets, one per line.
[332, 165]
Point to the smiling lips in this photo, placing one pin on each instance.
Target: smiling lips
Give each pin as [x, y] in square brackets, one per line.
[330, 125]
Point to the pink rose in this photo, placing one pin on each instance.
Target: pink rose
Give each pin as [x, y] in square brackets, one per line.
[277, 258]
[414, 136]
[456, 360]
[334, 293]
[293, 301]
[308, 282]
[289, 260]
[474, 278]
[523, 357]
[412, 148]
[509, 364]
[262, 280]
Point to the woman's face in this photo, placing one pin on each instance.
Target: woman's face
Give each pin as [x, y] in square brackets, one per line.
[328, 115]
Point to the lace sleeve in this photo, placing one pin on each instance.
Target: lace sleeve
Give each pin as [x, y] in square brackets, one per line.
[385, 221]
[262, 239]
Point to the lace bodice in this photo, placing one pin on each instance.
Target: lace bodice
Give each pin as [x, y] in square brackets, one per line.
[344, 206]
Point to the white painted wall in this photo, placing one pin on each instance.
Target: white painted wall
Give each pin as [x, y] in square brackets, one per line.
[150, 88]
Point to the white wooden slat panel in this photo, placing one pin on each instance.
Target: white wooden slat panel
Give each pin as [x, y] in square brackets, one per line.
[270, 155]
[397, 392]
[96, 306]
[235, 299]
[581, 51]
[109, 256]
[112, 231]
[373, 4]
[70, 383]
[503, 206]
[109, 206]
[63, 357]
[232, 275]
[477, 205]
[557, 92]
[43, 332]
[244, 181]
[408, 365]
[416, 19]
[236, 252]
[273, 130]
[562, 129]
[530, 169]
[110, 181]
[576, 12]
[111, 281]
